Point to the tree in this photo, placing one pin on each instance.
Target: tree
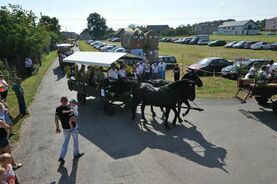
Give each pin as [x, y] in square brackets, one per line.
[52, 26]
[96, 25]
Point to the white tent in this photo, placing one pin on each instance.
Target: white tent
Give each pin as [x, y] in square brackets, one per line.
[64, 45]
[94, 58]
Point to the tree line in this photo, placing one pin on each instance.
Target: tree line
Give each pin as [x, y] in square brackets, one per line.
[23, 35]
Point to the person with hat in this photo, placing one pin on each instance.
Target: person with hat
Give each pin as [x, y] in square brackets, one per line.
[63, 115]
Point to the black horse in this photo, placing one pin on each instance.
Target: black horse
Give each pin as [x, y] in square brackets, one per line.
[192, 76]
[166, 96]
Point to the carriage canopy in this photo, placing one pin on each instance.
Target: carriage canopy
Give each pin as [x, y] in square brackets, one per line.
[104, 59]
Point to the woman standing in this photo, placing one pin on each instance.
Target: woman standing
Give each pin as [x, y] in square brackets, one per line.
[176, 71]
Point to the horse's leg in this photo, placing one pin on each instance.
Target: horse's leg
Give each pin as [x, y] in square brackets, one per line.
[167, 110]
[134, 109]
[188, 105]
[142, 112]
[152, 110]
[179, 111]
[175, 117]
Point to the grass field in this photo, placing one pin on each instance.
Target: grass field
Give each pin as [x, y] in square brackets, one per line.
[83, 46]
[30, 86]
[228, 38]
[214, 87]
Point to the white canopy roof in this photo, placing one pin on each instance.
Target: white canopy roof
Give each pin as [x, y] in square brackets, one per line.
[94, 58]
[64, 45]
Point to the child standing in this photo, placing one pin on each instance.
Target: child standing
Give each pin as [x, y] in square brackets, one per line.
[73, 113]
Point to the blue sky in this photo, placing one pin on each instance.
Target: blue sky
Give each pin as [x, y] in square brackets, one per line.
[72, 14]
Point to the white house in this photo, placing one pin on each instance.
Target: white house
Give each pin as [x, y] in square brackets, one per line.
[245, 27]
[271, 24]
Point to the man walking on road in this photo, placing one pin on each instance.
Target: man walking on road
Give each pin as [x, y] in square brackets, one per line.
[63, 114]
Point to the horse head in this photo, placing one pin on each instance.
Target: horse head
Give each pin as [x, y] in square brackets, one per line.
[185, 88]
[191, 75]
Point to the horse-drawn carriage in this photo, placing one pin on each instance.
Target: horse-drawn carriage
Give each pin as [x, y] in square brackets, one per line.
[263, 91]
[102, 89]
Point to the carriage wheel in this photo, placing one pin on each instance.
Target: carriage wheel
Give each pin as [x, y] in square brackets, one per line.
[262, 99]
[274, 106]
[81, 98]
[109, 109]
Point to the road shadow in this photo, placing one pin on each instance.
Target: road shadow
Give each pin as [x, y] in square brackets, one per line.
[65, 177]
[120, 137]
[59, 73]
[267, 117]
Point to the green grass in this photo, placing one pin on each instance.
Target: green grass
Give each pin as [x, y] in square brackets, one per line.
[214, 87]
[30, 86]
[85, 47]
[228, 38]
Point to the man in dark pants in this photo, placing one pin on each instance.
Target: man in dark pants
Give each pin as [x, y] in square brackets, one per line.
[63, 114]
[20, 96]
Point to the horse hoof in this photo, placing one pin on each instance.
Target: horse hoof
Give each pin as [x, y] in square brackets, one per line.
[180, 120]
[173, 124]
[167, 127]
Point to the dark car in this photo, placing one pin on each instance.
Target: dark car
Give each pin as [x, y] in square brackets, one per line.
[241, 68]
[273, 46]
[230, 44]
[209, 65]
[187, 40]
[194, 41]
[248, 44]
[170, 61]
[239, 45]
[217, 43]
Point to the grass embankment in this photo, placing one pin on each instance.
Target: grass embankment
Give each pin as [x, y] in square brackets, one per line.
[83, 46]
[30, 86]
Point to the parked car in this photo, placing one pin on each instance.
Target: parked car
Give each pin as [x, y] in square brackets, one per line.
[115, 40]
[248, 44]
[230, 44]
[203, 42]
[217, 43]
[107, 48]
[209, 65]
[169, 60]
[260, 46]
[187, 40]
[241, 68]
[194, 41]
[239, 45]
[273, 46]
[120, 49]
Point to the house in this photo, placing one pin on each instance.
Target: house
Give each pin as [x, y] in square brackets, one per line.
[271, 24]
[205, 28]
[157, 28]
[244, 27]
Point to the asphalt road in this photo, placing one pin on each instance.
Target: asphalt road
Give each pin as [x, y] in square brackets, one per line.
[227, 143]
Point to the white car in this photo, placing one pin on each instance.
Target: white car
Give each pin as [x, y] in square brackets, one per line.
[260, 45]
[120, 50]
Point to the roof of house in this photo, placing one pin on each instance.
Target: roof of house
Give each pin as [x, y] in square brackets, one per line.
[234, 23]
[157, 27]
[272, 18]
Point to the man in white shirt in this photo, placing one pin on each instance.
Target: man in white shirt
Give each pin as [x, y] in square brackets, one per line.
[113, 73]
[122, 72]
[162, 67]
[28, 66]
[155, 71]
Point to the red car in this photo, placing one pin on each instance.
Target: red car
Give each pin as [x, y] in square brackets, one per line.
[210, 65]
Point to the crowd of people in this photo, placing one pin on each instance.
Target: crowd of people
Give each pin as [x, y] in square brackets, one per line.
[263, 75]
[7, 161]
